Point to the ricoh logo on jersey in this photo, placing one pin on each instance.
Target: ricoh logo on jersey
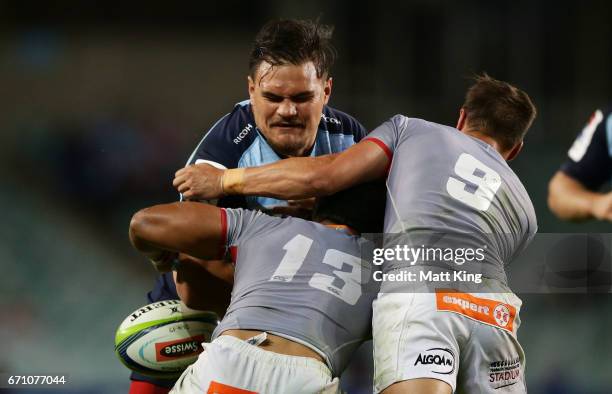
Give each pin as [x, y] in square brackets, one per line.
[442, 361]
[243, 133]
[328, 119]
[166, 351]
[504, 373]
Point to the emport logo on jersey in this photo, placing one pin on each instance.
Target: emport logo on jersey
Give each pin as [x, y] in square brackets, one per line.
[188, 347]
[442, 361]
[488, 311]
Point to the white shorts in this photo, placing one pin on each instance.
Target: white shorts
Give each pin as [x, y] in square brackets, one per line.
[233, 366]
[467, 340]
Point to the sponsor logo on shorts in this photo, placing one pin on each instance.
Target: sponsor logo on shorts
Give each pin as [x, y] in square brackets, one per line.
[172, 350]
[504, 373]
[488, 311]
[440, 360]
[220, 388]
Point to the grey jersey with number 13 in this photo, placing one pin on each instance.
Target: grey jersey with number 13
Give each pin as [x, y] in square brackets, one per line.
[301, 280]
[456, 189]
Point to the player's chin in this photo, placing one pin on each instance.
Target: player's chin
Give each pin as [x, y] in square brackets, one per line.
[290, 144]
[292, 139]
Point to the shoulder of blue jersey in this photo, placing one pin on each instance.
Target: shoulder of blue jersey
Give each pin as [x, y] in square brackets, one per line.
[336, 121]
[228, 139]
[225, 142]
[238, 126]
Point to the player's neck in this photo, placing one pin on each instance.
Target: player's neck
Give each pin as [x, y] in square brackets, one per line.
[485, 138]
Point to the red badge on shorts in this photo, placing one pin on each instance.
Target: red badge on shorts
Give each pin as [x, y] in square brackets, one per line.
[220, 388]
[485, 310]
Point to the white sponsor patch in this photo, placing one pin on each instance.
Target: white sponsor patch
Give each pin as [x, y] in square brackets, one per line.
[504, 373]
[438, 360]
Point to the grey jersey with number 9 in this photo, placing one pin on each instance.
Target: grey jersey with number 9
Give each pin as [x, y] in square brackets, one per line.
[301, 280]
[456, 189]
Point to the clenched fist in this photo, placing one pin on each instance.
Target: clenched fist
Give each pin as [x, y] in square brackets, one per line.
[199, 182]
[602, 207]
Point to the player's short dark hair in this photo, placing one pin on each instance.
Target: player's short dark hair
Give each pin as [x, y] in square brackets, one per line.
[361, 207]
[499, 110]
[292, 41]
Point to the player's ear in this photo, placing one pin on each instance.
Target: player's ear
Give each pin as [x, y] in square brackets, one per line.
[251, 85]
[462, 119]
[515, 151]
[327, 88]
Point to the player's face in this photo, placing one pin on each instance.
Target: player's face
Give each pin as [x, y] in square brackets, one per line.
[287, 102]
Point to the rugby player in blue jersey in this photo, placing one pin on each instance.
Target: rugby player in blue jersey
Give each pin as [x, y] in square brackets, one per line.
[574, 191]
[289, 86]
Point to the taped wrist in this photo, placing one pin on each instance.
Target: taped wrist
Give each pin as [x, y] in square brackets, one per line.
[232, 181]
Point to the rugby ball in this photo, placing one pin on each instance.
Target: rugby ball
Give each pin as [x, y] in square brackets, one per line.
[161, 339]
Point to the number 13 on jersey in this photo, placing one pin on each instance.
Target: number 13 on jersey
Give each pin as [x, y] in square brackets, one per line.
[297, 249]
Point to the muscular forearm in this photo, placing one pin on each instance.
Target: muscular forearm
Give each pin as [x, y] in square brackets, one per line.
[569, 199]
[304, 177]
[289, 179]
[188, 227]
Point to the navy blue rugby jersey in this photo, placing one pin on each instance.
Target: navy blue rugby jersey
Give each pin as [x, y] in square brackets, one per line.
[236, 142]
[590, 156]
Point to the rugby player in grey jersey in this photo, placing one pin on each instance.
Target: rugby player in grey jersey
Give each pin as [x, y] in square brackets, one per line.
[453, 181]
[299, 306]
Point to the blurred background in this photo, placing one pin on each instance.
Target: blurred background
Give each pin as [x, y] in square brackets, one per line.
[101, 102]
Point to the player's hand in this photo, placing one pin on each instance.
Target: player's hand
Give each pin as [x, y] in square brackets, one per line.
[199, 182]
[164, 261]
[602, 207]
